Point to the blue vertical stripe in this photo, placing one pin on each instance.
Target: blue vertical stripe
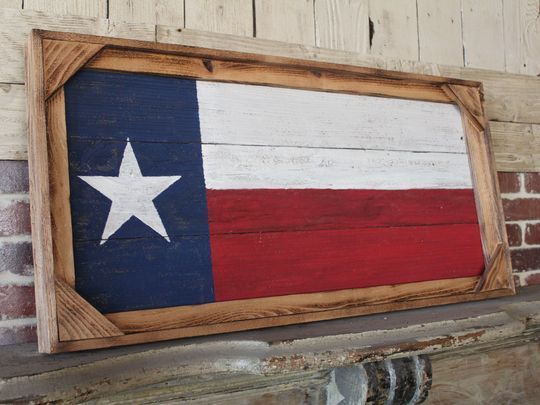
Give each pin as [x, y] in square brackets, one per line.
[137, 268]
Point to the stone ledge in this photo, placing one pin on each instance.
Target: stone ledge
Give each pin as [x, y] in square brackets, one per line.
[271, 356]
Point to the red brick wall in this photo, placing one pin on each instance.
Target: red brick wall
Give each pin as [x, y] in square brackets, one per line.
[17, 311]
[521, 201]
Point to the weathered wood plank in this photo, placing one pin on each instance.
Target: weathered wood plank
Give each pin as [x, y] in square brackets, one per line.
[228, 113]
[516, 146]
[482, 31]
[38, 167]
[170, 12]
[395, 29]
[77, 319]
[238, 71]
[522, 36]
[220, 16]
[11, 3]
[16, 25]
[62, 235]
[342, 25]
[13, 118]
[285, 20]
[233, 166]
[439, 32]
[88, 8]
[62, 59]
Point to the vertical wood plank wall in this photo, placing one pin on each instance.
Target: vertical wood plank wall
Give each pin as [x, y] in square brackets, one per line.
[444, 37]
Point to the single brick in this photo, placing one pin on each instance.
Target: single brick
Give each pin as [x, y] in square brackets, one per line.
[16, 257]
[21, 334]
[509, 182]
[17, 301]
[13, 176]
[525, 259]
[532, 182]
[532, 279]
[532, 234]
[521, 208]
[514, 234]
[15, 218]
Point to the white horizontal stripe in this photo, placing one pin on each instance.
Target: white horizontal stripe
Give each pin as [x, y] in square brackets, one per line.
[271, 116]
[256, 167]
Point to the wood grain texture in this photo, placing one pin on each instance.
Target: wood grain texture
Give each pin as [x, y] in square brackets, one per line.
[516, 146]
[39, 198]
[496, 376]
[88, 8]
[221, 16]
[439, 32]
[77, 319]
[342, 25]
[468, 98]
[13, 142]
[16, 25]
[62, 59]
[285, 20]
[170, 12]
[167, 334]
[64, 268]
[395, 29]
[509, 97]
[290, 305]
[522, 36]
[482, 30]
[263, 73]
[229, 112]
[489, 206]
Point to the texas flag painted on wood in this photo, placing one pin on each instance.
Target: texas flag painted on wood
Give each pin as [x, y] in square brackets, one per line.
[186, 192]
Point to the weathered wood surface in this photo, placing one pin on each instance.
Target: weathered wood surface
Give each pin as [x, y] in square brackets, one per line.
[482, 30]
[39, 190]
[516, 146]
[508, 97]
[236, 71]
[170, 12]
[77, 319]
[17, 24]
[59, 189]
[503, 375]
[439, 32]
[221, 16]
[342, 25]
[89, 8]
[13, 142]
[396, 29]
[522, 36]
[63, 59]
[293, 17]
[288, 354]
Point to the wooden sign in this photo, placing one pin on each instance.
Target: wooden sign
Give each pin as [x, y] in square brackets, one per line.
[179, 191]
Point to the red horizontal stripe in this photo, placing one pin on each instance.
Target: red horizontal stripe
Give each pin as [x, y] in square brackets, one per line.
[284, 210]
[269, 264]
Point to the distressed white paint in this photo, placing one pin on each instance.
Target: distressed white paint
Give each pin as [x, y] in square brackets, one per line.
[131, 194]
[271, 116]
[266, 167]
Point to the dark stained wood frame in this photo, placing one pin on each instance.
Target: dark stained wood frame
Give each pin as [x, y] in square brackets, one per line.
[66, 322]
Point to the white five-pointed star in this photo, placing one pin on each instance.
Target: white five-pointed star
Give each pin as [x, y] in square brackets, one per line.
[132, 195]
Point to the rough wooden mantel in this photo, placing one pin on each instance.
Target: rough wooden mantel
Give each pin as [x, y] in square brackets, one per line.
[300, 354]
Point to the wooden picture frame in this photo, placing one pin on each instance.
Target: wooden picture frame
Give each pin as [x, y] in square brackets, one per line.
[66, 322]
